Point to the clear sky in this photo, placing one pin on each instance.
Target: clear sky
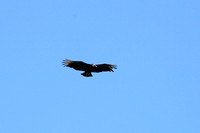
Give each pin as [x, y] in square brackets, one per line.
[155, 44]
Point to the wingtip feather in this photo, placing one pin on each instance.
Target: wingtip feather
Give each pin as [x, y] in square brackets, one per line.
[66, 62]
[114, 66]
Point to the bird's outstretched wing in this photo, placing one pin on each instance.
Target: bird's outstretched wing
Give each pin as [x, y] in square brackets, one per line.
[104, 67]
[77, 65]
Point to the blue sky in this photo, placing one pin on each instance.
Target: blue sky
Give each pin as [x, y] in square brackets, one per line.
[155, 45]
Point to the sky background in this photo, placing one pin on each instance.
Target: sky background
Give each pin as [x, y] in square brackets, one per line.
[155, 44]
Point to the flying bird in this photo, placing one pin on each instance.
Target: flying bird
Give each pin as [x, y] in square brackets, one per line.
[88, 68]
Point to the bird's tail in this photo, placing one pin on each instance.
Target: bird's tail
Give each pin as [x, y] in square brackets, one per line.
[87, 74]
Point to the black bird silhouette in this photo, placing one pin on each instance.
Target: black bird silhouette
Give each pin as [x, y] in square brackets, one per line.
[88, 68]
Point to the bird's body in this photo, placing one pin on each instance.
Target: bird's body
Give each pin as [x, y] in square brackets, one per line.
[88, 68]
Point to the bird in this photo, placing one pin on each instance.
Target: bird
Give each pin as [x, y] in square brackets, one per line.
[88, 68]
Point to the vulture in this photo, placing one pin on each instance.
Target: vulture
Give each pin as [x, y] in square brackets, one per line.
[88, 68]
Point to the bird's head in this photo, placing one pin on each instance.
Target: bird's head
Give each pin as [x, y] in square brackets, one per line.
[93, 65]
